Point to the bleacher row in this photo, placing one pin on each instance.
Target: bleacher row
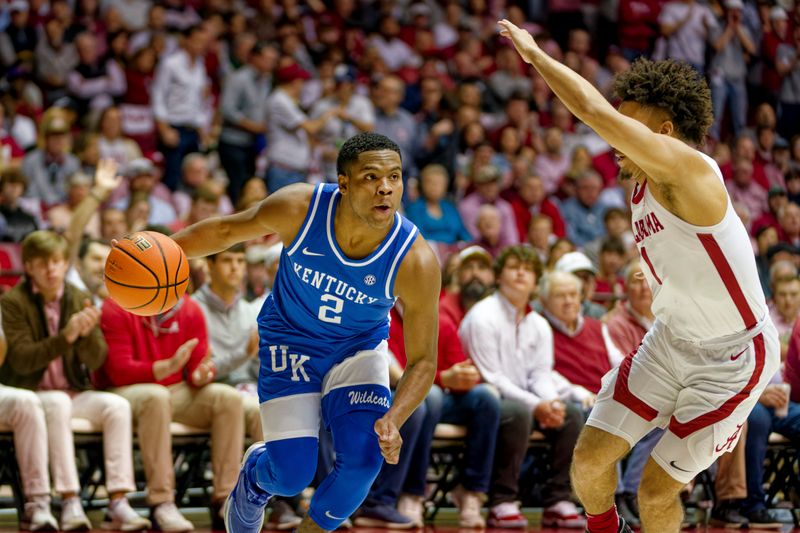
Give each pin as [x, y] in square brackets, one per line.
[190, 452]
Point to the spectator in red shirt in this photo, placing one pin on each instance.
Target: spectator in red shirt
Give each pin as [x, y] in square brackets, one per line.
[527, 199]
[161, 365]
[638, 27]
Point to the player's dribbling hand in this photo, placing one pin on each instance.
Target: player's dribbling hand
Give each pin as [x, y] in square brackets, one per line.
[389, 440]
[523, 41]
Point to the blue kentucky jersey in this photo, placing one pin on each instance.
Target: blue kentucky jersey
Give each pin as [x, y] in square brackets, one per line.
[321, 297]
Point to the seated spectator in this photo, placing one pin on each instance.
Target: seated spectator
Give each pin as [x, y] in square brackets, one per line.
[785, 307]
[578, 264]
[617, 223]
[17, 222]
[746, 192]
[54, 360]
[436, 217]
[195, 174]
[789, 220]
[160, 364]
[112, 143]
[262, 266]
[94, 81]
[205, 204]
[628, 322]
[609, 285]
[528, 199]
[113, 224]
[776, 200]
[540, 236]
[48, 168]
[394, 53]
[583, 349]
[584, 212]
[510, 76]
[489, 227]
[22, 411]
[474, 279]
[512, 347]
[487, 192]
[142, 179]
[552, 164]
[774, 412]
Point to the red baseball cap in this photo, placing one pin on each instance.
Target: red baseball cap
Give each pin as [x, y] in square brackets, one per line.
[291, 73]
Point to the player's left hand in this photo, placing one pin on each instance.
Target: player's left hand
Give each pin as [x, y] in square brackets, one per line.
[389, 440]
[523, 41]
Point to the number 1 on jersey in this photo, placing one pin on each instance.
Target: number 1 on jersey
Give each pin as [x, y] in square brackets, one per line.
[327, 312]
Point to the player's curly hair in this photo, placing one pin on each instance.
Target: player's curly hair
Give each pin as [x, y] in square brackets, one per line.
[676, 88]
[363, 142]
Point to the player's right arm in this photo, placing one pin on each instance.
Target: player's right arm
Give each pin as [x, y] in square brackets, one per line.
[282, 212]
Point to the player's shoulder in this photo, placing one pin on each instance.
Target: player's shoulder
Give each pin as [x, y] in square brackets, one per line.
[419, 269]
[286, 208]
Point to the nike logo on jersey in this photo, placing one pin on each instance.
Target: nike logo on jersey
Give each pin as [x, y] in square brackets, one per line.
[738, 355]
[329, 515]
[676, 467]
[313, 254]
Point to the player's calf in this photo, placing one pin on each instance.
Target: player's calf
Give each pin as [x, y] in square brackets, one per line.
[659, 503]
[593, 471]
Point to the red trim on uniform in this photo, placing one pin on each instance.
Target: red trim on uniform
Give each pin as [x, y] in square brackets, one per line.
[684, 429]
[638, 192]
[728, 278]
[650, 265]
[623, 394]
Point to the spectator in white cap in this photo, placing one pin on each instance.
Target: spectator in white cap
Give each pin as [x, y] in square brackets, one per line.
[578, 264]
[474, 279]
[732, 42]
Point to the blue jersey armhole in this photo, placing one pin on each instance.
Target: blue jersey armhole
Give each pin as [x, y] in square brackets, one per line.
[313, 205]
[398, 260]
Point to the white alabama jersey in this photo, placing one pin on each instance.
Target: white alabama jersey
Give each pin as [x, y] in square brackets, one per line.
[704, 279]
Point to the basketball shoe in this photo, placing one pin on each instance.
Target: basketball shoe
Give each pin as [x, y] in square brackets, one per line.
[244, 508]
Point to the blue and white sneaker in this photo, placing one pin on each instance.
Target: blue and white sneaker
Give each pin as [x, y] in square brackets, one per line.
[244, 508]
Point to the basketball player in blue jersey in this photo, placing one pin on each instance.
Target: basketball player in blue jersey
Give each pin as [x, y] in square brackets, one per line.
[347, 256]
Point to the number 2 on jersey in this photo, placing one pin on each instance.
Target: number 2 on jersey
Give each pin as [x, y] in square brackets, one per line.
[329, 313]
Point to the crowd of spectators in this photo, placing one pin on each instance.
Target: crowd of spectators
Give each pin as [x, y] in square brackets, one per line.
[207, 106]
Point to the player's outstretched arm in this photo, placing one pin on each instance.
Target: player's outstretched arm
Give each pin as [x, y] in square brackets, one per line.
[417, 285]
[663, 159]
[282, 212]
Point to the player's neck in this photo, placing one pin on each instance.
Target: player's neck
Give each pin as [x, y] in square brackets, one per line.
[356, 238]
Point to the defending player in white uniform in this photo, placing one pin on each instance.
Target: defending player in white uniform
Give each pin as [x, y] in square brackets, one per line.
[702, 367]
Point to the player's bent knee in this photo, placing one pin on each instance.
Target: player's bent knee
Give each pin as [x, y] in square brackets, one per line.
[596, 450]
[657, 488]
[288, 466]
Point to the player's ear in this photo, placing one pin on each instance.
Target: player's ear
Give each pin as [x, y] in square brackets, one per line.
[344, 181]
[667, 128]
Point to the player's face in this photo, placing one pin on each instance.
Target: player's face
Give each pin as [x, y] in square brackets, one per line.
[47, 273]
[517, 278]
[373, 187]
[228, 269]
[655, 119]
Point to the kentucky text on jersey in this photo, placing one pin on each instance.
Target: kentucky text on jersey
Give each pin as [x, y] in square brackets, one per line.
[330, 284]
[646, 226]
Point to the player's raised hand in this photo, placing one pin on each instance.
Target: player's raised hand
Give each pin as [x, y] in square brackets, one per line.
[523, 41]
[389, 440]
[106, 178]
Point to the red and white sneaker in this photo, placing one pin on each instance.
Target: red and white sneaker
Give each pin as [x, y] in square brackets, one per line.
[563, 514]
[507, 516]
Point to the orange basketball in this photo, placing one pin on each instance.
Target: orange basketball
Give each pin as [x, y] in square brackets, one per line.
[146, 273]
